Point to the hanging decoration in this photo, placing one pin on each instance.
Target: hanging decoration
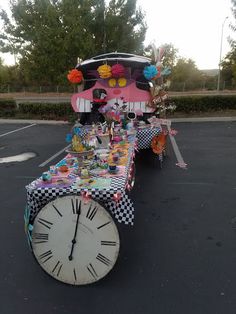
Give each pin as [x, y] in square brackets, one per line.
[75, 76]
[112, 82]
[122, 82]
[158, 82]
[118, 70]
[104, 71]
[150, 72]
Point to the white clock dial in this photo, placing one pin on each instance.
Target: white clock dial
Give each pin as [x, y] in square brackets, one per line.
[75, 242]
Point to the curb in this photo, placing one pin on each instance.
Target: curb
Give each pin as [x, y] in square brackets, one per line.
[204, 119]
[19, 121]
[174, 120]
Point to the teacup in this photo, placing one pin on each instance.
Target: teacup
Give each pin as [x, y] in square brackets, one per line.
[112, 167]
[46, 177]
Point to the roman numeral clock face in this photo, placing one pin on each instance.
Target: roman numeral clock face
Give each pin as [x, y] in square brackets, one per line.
[75, 242]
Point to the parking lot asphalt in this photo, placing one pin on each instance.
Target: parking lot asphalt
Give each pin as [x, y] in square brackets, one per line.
[178, 258]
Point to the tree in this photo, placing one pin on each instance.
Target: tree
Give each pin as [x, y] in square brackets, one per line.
[229, 67]
[233, 26]
[125, 27]
[229, 62]
[169, 56]
[185, 70]
[49, 35]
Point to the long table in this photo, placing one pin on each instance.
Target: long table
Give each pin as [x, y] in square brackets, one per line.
[122, 208]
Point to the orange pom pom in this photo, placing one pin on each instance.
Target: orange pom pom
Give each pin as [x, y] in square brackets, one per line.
[75, 76]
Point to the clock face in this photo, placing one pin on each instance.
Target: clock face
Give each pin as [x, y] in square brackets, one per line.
[75, 242]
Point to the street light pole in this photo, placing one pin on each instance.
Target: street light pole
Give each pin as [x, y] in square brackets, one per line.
[221, 42]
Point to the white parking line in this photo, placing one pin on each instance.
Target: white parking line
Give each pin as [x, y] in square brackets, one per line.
[178, 155]
[53, 157]
[25, 127]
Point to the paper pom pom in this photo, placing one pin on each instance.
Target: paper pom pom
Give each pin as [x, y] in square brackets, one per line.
[150, 72]
[104, 71]
[112, 82]
[118, 70]
[122, 82]
[75, 76]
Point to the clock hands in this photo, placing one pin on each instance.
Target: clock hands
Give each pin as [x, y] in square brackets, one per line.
[78, 212]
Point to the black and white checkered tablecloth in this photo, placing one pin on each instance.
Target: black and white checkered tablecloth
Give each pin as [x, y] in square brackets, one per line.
[123, 210]
[145, 136]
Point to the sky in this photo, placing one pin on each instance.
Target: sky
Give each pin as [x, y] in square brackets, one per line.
[194, 27]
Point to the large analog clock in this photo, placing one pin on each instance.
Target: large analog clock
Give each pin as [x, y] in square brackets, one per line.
[75, 242]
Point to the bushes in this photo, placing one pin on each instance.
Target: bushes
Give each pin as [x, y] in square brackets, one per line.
[64, 111]
[189, 104]
[42, 109]
[7, 108]
[49, 111]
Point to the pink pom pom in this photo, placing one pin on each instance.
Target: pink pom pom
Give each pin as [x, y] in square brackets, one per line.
[118, 70]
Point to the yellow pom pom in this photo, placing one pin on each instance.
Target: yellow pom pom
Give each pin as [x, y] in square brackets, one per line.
[112, 82]
[122, 82]
[104, 71]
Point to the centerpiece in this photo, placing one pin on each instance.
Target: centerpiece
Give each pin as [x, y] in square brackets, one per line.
[81, 143]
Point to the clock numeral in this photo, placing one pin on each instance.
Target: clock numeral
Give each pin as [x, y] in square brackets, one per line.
[75, 276]
[56, 209]
[57, 268]
[92, 271]
[46, 256]
[111, 243]
[91, 212]
[45, 223]
[76, 208]
[107, 223]
[42, 237]
[103, 259]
